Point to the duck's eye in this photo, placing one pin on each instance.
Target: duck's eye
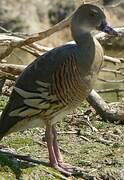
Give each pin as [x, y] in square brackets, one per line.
[93, 13]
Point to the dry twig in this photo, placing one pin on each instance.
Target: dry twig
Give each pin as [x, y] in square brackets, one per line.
[34, 37]
[117, 72]
[111, 59]
[111, 81]
[110, 90]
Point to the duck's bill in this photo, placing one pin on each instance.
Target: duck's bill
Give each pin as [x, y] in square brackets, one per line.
[107, 29]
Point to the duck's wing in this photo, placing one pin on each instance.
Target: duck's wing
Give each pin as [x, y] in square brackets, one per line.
[31, 93]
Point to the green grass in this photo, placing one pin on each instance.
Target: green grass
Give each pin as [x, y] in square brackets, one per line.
[100, 160]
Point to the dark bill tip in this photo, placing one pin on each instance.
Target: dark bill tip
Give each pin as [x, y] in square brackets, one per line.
[107, 29]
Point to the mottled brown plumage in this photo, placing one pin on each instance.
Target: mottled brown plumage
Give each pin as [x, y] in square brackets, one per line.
[57, 82]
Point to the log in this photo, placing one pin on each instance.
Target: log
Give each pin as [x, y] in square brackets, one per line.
[103, 109]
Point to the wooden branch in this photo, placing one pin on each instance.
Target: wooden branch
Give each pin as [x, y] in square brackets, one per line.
[112, 71]
[97, 102]
[11, 41]
[31, 51]
[13, 69]
[36, 49]
[7, 52]
[42, 35]
[35, 37]
[111, 59]
[40, 47]
[120, 68]
[110, 90]
[4, 30]
[103, 109]
[104, 141]
[10, 33]
[111, 81]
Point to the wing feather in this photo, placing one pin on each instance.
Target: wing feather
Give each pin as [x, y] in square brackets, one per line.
[25, 94]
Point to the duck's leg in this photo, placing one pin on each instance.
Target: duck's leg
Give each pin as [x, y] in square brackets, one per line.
[67, 167]
[52, 155]
[56, 147]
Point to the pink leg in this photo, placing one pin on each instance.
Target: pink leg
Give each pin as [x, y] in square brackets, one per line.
[56, 147]
[49, 139]
[67, 167]
[52, 154]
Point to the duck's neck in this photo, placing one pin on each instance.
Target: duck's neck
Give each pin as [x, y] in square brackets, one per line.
[86, 46]
[82, 38]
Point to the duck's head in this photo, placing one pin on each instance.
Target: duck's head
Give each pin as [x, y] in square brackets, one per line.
[89, 18]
